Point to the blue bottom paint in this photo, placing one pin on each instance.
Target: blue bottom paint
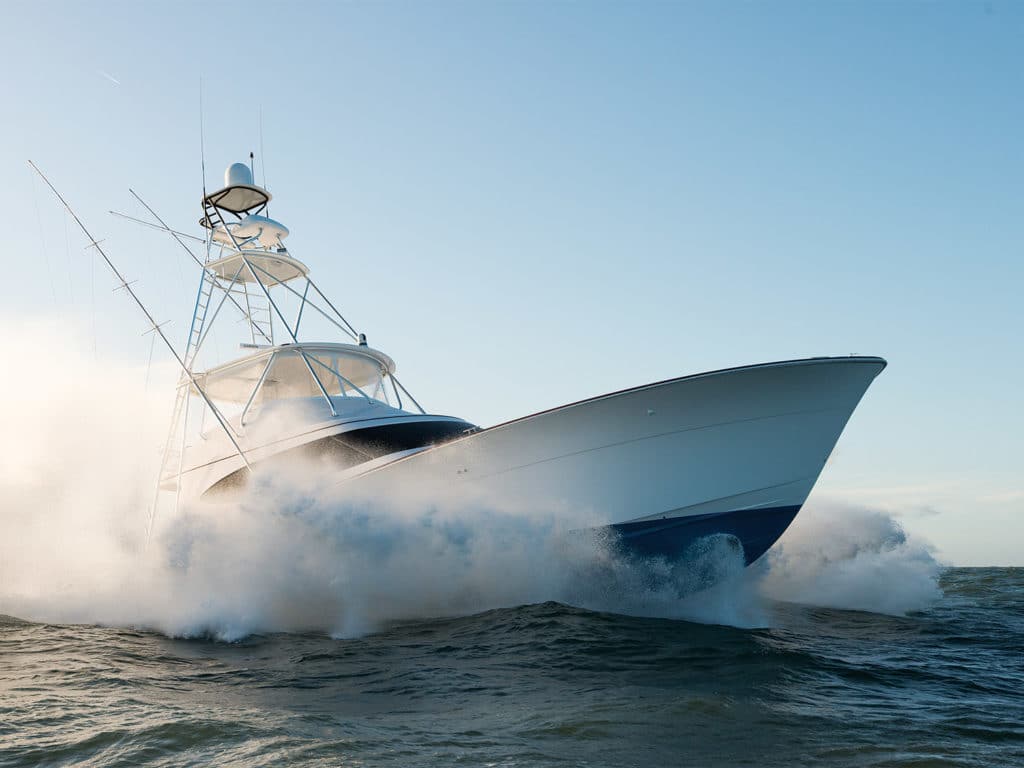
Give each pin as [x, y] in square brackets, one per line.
[756, 529]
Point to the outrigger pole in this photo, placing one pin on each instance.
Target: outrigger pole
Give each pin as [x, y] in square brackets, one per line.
[154, 326]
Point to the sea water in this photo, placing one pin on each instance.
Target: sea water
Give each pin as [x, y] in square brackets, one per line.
[369, 640]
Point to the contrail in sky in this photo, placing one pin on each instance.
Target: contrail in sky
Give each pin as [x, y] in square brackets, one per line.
[110, 77]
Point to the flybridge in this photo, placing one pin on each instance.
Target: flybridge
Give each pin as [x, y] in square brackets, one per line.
[246, 259]
[243, 201]
[246, 264]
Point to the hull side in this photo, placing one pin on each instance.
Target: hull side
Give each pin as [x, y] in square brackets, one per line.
[735, 451]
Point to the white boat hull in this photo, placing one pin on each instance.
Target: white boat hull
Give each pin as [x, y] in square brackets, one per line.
[734, 451]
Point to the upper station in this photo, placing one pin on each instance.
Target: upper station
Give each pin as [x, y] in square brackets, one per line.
[234, 217]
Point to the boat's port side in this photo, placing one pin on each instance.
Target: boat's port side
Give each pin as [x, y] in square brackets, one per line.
[351, 448]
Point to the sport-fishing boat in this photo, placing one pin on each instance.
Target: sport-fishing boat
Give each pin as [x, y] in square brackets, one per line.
[732, 452]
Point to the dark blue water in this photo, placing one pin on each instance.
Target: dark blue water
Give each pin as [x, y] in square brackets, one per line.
[542, 684]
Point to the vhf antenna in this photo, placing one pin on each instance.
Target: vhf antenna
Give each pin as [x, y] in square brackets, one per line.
[263, 158]
[202, 141]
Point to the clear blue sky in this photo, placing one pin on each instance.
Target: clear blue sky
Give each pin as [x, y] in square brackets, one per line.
[528, 203]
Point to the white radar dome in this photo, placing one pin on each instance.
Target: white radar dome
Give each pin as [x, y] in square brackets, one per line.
[237, 173]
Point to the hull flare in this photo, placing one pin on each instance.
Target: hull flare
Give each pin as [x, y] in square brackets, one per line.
[732, 452]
